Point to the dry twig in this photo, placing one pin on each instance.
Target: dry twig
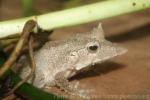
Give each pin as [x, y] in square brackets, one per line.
[32, 65]
[26, 31]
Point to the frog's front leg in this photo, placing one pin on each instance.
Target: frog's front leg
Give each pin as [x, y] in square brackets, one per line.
[61, 80]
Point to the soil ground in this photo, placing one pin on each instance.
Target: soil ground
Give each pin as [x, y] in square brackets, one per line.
[126, 76]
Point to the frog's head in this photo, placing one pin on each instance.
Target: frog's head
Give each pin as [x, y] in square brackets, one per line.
[92, 48]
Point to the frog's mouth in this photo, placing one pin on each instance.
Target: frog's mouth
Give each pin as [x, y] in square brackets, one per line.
[118, 51]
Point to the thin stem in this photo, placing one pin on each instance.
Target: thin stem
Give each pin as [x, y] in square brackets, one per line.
[32, 66]
[27, 6]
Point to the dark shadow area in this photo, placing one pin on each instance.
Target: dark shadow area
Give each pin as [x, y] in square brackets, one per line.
[98, 69]
[132, 35]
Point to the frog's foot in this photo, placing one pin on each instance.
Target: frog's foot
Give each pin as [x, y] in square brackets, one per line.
[77, 90]
[47, 88]
[71, 88]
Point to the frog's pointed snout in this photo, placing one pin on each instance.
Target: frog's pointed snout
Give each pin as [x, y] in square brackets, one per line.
[121, 50]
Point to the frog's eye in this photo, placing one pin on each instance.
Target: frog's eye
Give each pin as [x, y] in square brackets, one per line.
[93, 47]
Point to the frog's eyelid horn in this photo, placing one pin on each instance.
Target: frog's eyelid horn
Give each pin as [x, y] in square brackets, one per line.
[98, 32]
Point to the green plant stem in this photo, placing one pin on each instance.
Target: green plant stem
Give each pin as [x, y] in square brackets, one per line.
[27, 6]
[75, 16]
